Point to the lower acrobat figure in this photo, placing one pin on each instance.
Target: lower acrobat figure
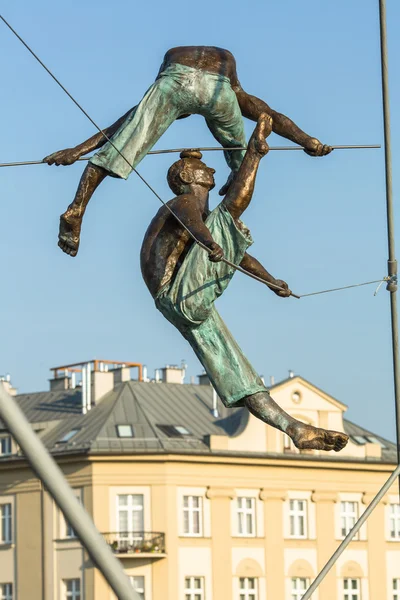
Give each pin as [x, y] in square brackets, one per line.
[191, 80]
[185, 280]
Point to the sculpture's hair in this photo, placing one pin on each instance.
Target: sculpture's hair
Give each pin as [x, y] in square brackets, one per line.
[186, 158]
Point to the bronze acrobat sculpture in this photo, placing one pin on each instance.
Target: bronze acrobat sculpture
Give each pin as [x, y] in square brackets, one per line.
[185, 281]
[191, 80]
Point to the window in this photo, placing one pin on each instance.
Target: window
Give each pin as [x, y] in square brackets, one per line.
[174, 430]
[396, 589]
[69, 532]
[246, 516]
[6, 524]
[299, 587]
[394, 521]
[72, 588]
[248, 588]
[194, 588]
[6, 591]
[138, 585]
[67, 437]
[298, 518]
[348, 517]
[125, 431]
[130, 517]
[5, 445]
[351, 589]
[192, 515]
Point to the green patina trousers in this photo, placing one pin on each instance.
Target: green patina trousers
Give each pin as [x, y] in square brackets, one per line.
[187, 301]
[178, 90]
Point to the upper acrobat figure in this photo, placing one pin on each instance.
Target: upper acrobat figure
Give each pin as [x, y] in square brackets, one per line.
[191, 80]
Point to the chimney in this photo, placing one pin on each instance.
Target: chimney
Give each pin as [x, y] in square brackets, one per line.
[121, 374]
[271, 380]
[5, 381]
[173, 374]
[291, 374]
[204, 379]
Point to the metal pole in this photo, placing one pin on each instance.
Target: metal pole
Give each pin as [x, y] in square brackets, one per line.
[217, 149]
[50, 474]
[351, 534]
[392, 262]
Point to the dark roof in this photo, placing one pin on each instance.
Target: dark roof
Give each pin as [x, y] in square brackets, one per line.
[145, 406]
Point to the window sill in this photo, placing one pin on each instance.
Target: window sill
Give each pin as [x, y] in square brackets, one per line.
[6, 546]
[195, 536]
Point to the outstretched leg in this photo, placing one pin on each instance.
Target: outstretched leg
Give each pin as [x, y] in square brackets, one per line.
[71, 220]
[305, 437]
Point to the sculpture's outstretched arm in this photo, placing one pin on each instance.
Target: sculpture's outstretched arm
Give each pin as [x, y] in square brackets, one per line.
[252, 265]
[70, 155]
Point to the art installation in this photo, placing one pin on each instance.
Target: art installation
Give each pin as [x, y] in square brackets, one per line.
[189, 253]
[185, 281]
[191, 80]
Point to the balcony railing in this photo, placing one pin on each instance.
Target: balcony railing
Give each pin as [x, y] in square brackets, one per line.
[136, 542]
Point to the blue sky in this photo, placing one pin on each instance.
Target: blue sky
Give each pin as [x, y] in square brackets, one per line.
[317, 223]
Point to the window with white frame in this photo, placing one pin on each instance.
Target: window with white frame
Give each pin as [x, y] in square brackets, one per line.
[351, 589]
[194, 588]
[396, 588]
[130, 517]
[246, 514]
[394, 521]
[72, 589]
[348, 517]
[248, 588]
[6, 591]
[193, 515]
[68, 530]
[299, 585]
[137, 582]
[298, 518]
[6, 524]
[5, 445]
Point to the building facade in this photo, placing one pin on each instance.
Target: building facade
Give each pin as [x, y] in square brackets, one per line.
[198, 502]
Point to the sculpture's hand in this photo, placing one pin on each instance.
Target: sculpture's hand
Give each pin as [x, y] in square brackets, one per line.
[62, 157]
[285, 293]
[216, 253]
[314, 147]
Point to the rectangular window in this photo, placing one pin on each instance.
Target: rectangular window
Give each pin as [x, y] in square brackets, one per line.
[246, 512]
[248, 588]
[351, 589]
[194, 588]
[299, 587]
[394, 521]
[396, 589]
[5, 445]
[298, 518]
[130, 517]
[193, 515]
[72, 589]
[69, 532]
[6, 591]
[348, 517]
[138, 585]
[6, 524]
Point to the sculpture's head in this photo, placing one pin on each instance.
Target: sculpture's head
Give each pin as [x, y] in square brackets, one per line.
[190, 170]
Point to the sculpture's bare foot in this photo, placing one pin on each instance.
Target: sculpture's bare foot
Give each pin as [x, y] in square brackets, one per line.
[261, 132]
[306, 437]
[69, 235]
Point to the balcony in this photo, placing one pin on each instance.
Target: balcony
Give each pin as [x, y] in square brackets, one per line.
[138, 544]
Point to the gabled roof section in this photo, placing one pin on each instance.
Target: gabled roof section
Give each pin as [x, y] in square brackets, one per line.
[297, 378]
